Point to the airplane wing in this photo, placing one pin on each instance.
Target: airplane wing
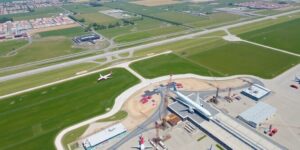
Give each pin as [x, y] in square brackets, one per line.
[190, 109]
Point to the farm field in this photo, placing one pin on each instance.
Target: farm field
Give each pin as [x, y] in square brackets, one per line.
[44, 112]
[38, 13]
[70, 32]
[168, 64]
[8, 46]
[283, 36]
[40, 49]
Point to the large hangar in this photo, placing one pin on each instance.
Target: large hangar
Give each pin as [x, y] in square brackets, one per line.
[96, 139]
[257, 114]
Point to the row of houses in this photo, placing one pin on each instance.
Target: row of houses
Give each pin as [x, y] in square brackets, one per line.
[25, 6]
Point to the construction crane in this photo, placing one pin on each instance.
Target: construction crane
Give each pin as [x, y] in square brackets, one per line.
[214, 99]
[166, 101]
[163, 117]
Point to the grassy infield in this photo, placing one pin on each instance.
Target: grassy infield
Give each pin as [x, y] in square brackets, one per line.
[51, 44]
[31, 120]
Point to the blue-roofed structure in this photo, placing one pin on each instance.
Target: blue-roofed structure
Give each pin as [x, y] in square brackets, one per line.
[257, 114]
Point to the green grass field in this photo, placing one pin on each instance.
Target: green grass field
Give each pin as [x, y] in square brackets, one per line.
[40, 49]
[263, 24]
[32, 120]
[20, 84]
[242, 58]
[141, 25]
[284, 36]
[96, 17]
[70, 32]
[168, 64]
[8, 46]
[219, 56]
[37, 13]
[148, 34]
[79, 8]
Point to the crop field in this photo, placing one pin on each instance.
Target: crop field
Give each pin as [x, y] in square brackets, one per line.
[32, 120]
[8, 46]
[37, 13]
[40, 49]
[283, 36]
[169, 64]
[70, 32]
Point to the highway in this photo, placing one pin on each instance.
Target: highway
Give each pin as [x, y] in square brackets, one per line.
[137, 48]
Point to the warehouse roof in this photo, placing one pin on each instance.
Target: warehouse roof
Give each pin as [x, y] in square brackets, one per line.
[104, 135]
[258, 113]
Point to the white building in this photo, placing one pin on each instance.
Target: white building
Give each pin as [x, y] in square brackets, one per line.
[256, 92]
[103, 136]
[257, 114]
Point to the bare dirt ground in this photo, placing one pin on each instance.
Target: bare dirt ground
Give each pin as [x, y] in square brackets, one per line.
[192, 84]
[34, 31]
[156, 2]
[138, 112]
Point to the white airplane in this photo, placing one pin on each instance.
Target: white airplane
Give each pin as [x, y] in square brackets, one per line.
[142, 144]
[105, 77]
[193, 106]
[297, 79]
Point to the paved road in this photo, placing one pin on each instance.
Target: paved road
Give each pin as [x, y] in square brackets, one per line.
[141, 47]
